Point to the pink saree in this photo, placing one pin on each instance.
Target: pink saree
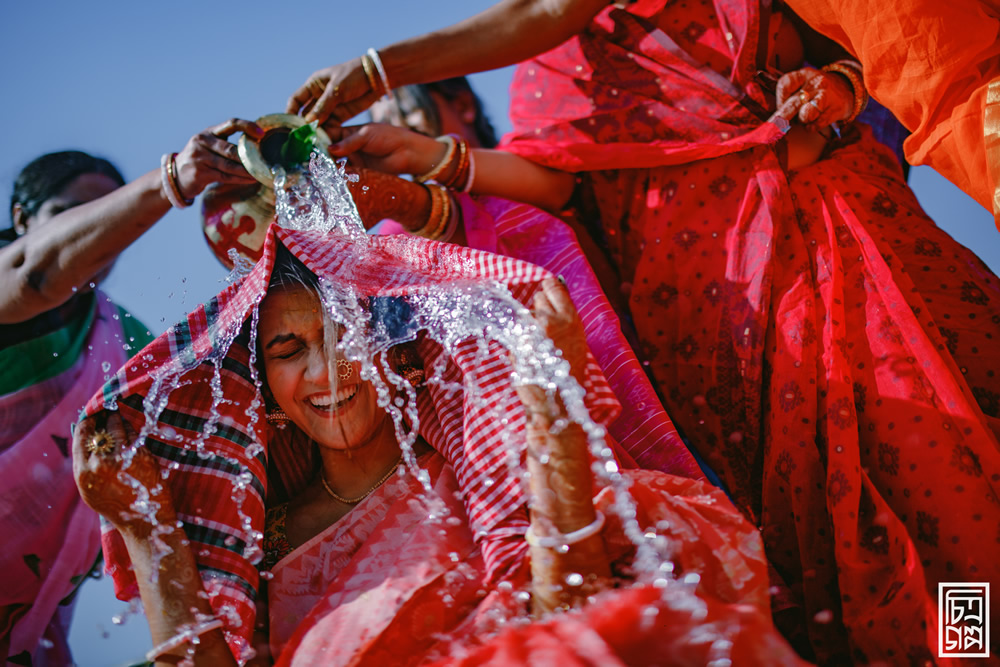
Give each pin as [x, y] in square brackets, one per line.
[51, 539]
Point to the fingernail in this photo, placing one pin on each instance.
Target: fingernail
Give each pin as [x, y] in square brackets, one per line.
[258, 131]
[561, 279]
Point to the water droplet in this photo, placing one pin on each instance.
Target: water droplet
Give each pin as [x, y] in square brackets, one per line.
[824, 616]
[574, 579]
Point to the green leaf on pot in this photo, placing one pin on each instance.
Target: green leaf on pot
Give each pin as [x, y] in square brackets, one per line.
[299, 145]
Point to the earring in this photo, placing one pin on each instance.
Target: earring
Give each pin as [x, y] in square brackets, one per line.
[412, 374]
[277, 416]
[345, 369]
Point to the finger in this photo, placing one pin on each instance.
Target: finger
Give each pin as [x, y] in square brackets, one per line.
[116, 427]
[326, 102]
[811, 109]
[353, 141]
[558, 296]
[303, 95]
[221, 164]
[788, 85]
[787, 111]
[81, 435]
[234, 125]
[218, 146]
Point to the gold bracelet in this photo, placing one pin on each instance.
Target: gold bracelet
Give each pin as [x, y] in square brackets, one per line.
[850, 71]
[435, 213]
[372, 76]
[439, 168]
[460, 173]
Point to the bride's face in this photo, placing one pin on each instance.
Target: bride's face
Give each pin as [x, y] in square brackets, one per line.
[339, 413]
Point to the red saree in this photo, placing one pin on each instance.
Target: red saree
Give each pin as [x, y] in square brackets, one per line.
[825, 347]
[384, 587]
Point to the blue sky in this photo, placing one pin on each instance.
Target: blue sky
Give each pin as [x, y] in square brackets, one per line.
[132, 80]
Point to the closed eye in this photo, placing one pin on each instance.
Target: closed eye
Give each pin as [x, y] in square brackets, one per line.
[288, 354]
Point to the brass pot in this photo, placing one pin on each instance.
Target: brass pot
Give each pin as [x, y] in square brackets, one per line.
[237, 217]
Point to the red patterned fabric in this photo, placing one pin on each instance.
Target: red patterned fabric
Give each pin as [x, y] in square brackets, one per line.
[218, 457]
[829, 351]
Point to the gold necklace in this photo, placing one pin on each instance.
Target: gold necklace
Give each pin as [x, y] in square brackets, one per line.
[355, 501]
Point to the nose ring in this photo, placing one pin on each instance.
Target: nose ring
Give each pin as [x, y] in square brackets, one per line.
[345, 369]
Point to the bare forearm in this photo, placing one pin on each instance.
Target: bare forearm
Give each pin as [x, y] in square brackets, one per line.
[175, 601]
[41, 269]
[506, 33]
[510, 176]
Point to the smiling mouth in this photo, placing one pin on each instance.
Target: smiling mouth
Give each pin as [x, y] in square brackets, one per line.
[328, 403]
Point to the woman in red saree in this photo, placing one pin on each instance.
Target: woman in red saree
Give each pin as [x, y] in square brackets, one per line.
[816, 337]
[382, 567]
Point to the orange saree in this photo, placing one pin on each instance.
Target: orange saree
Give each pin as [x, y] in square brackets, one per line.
[935, 65]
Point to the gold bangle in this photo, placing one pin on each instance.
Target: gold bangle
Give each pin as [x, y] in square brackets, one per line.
[458, 176]
[445, 216]
[435, 213]
[439, 168]
[370, 74]
[851, 71]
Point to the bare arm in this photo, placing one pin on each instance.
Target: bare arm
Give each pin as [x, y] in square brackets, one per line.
[506, 33]
[41, 269]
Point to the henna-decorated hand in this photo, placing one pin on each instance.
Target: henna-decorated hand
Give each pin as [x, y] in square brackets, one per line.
[556, 315]
[814, 98]
[99, 476]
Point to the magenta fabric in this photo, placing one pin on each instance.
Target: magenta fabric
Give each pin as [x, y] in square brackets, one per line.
[51, 539]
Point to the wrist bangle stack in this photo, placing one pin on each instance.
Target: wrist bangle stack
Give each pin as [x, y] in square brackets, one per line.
[457, 168]
[441, 210]
[445, 162]
[377, 62]
[851, 71]
[565, 539]
[169, 184]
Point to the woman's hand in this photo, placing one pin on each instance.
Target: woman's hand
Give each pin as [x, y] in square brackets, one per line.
[556, 315]
[386, 148]
[209, 158]
[336, 93]
[98, 476]
[817, 99]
